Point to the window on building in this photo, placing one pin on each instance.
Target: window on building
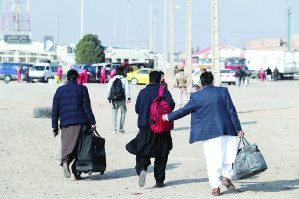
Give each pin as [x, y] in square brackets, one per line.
[22, 59]
[11, 59]
[126, 60]
[118, 60]
[32, 60]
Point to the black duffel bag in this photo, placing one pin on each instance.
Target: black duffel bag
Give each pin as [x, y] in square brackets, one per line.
[91, 153]
[249, 161]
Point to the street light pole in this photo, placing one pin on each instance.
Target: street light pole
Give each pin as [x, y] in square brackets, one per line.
[215, 43]
[188, 65]
[115, 24]
[150, 40]
[171, 35]
[154, 32]
[128, 19]
[289, 26]
[82, 19]
[165, 37]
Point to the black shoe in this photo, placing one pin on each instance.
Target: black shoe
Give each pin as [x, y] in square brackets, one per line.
[159, 185]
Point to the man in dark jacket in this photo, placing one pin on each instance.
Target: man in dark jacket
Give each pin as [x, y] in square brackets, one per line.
[147, 143]
[71, 104]
[214, 121]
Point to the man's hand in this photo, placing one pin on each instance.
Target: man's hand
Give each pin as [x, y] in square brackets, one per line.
[179, 86]
[94, 126]
[164, 117]
[240, 134]
[55, 132]
[184, 86]
[128, 101]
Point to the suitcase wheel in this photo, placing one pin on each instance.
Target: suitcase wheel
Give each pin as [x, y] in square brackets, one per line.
[89, 173]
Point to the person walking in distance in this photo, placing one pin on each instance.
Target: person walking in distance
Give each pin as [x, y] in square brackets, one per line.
[103, 75]
[85, 76]
[148, 144]
[215, 122]
[247, 74]
[181, 81]
[59, 72]
[20, 74]
[262, 74]
[71, 104]
[118, 93]
[27, 73]
[163, 83]
[269, 74]
[275, 73]
[239, 75]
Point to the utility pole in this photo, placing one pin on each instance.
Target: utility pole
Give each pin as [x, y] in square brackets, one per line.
[115, 23]
[165, 37]
[188, 65]
[154, 31]
[289, 26]
[150, 40]
[128, 19]
[81, 19]
[171, 35]
[215, 43]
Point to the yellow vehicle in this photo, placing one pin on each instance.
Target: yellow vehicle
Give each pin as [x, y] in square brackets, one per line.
[140, 76]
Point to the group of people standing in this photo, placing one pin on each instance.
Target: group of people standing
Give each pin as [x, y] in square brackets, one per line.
[268, 74]
[214, 121]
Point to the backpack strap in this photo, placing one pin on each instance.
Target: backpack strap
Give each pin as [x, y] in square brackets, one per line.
[161, 90]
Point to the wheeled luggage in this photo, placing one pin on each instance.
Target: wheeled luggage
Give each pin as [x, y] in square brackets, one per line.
[91, 153]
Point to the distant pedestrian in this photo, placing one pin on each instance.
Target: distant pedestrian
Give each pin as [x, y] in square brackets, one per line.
[27, 73]
[20, 74]
[118, 93]
[262, 74]
[269, 74]
[59, 72]
[112, 73]
[247, 74]
[85, 75]
[181, 81]
[215, 122]
[71, 104]
[103, 75]
[239, 75]
[276, 73]
[198, 84]
[163, 83]
[148, 144]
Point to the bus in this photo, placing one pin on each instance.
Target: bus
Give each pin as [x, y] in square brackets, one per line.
[235, 62]
[8, 71]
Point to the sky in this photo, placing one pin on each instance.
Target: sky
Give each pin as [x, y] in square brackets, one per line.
[239, 21]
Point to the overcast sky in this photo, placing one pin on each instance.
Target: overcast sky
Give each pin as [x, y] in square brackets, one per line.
[239, 21]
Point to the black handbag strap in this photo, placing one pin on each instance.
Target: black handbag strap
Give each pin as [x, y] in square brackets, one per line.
[244, 141]
[94, 131]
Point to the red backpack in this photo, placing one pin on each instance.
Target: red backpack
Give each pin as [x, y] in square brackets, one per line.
[160, 107]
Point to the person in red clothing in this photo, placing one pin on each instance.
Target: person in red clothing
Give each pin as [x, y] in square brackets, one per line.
[103, 75]
[59, 72]
[85, 77]
[19, 74]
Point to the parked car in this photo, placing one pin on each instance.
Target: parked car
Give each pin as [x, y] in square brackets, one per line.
[42, 72]
[8, 71]
[228, 76]
[140, 76]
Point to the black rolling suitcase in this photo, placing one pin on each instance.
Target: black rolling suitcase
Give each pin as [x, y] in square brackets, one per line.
[91, 153]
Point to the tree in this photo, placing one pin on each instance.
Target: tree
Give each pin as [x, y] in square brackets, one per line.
[89, 50]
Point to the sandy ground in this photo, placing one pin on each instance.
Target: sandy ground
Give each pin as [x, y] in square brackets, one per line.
[268, 112]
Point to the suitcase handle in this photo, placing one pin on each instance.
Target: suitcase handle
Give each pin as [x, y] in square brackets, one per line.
[94, 131]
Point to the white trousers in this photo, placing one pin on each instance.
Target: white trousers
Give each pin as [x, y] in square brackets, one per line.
[182, 95]
[220, 153]
[269, 77]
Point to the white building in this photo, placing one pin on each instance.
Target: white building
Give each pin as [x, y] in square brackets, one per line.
[33, 51]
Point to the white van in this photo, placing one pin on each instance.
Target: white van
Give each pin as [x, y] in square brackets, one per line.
[42, 72]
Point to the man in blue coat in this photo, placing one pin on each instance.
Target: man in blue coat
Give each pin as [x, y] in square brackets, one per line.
[147, 143]
[71, 104]
[214, 121]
